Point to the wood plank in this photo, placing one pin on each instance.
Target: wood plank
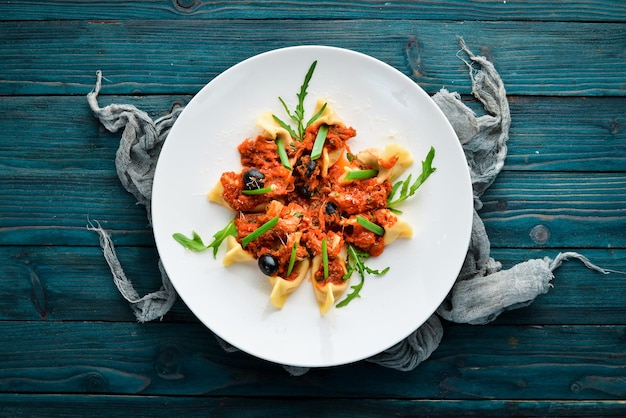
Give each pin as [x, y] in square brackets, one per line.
[521, 209]
[29, 405]
[57, 211]
[46, 135]
[578, 295]
[74, 284]
[472, 362]
[546, 10]
[196, 52]
[562, 210]
[573, 134]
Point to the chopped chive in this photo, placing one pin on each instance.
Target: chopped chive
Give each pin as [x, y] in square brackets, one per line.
[257, 191]
[282, 153]
[318, 145]
[371, 226]
[361, 174]
[292, 258]
[325, 258]
[259, 231]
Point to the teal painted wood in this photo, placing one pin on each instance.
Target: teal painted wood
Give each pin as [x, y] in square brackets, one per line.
[75, 284]
[43, 136]
[58, 172]
[574, 134]
[195, 52]
[22, 405]
[70, 343]
[556, 210]
[525, 210]
[472, 362]
[584, 11]
[65, 283]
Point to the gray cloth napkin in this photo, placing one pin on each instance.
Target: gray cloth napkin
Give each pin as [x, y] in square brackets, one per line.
[482, 291]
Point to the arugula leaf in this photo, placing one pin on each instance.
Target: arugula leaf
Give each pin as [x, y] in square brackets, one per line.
[355, 262]
[285, 125]
[298, 114]
[316, 116]
[408, 189]
[303, 92]
[196, 244]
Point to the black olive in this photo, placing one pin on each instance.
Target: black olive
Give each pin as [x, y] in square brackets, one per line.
[330, 208]
[268, 264]
[304, 191]
[253, 179]
[310, 168]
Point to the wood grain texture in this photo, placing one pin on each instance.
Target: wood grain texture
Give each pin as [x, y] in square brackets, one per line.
[48, 135]
[556, 210]
[27, 405]
[561, 185]
[526, 210]
[64, 283]
[583, 362]
[582, 11]
[134, 57]
[70, 343]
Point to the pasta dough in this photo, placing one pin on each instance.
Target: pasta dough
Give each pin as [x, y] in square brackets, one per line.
[312, 207]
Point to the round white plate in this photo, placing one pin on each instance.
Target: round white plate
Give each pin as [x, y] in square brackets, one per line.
[384, 106]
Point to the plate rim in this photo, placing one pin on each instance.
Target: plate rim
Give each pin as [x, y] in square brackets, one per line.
[339, 50]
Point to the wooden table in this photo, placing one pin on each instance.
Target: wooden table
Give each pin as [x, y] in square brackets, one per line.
[70, 343]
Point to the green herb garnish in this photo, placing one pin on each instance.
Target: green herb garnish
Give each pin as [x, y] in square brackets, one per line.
[370, 226]
[361, 174]
[282, 153]
[316, 116]
[262, 190]
[406, 188]
[298, 114]
[325, 258]
[289, 129]
[355, 262]
[259, 231]
[196, 244]
[318, 145]
[292, 258]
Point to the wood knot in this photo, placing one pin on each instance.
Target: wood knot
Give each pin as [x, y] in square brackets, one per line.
[94, 382]
[38, 295]
[614, 126]
[540, 234]
[168, 363]
[413, 51]
[185, 5]
[575, 387]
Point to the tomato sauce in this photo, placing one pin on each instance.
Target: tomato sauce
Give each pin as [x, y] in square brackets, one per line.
[313, 203]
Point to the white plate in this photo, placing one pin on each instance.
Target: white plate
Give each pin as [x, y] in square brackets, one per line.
[384, 106]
